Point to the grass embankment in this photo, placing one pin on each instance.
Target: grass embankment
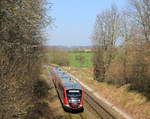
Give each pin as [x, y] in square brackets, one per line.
[52, 99]
[41, 108]
[47, 105]
[84, 61]
[131, 101]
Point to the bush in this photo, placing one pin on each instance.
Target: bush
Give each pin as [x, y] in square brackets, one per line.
[21, 48]
[57, 56]
[41, 89]
[138, 73]
[40, 110]
[132, 68]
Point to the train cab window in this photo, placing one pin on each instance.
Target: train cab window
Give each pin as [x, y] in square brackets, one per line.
[74, 96]
[74, 93]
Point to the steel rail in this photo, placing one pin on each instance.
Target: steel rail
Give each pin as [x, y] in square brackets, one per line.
[98, 108]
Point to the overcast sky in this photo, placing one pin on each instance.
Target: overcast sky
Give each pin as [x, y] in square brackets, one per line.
[74, 20]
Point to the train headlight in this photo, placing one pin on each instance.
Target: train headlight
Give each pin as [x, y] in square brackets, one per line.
[67, 105]
[80, 105]
[74, 100]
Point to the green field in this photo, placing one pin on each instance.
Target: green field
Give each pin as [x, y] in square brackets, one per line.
[86, 59]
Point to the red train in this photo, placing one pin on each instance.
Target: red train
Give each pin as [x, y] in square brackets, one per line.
[71, 93]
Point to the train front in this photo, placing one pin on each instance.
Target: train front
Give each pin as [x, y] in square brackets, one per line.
[75, 99]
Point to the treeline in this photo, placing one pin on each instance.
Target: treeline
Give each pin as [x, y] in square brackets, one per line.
[67, 58]
[21, 52]
[58, 56]
[121, 45]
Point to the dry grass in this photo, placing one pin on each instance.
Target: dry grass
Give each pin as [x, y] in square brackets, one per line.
[53, 100]
[48, 105]
[41, 108]
[132, 102]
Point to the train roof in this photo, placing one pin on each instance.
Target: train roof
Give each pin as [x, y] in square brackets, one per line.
[67, 80]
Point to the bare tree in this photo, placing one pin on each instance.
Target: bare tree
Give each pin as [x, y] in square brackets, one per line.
[106, 33]
[21, 48]
[141, 15]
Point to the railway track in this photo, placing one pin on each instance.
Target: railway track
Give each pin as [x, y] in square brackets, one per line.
[75, 116]
[97, 113]
[98, 108]
[94, 105]
[70, 116]
[81, 116]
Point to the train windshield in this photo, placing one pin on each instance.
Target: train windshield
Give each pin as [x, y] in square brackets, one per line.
[74, 93]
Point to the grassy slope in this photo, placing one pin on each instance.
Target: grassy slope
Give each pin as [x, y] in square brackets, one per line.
[132, 102]
[75, 63]
[53, 100]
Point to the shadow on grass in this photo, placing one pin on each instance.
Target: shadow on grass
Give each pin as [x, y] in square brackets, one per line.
[53, 98]
[41, 110]
[144, 92]
[141, 89]
[60, 117]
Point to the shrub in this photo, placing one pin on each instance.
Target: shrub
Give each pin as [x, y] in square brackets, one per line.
[41, 89]
[57, 56]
